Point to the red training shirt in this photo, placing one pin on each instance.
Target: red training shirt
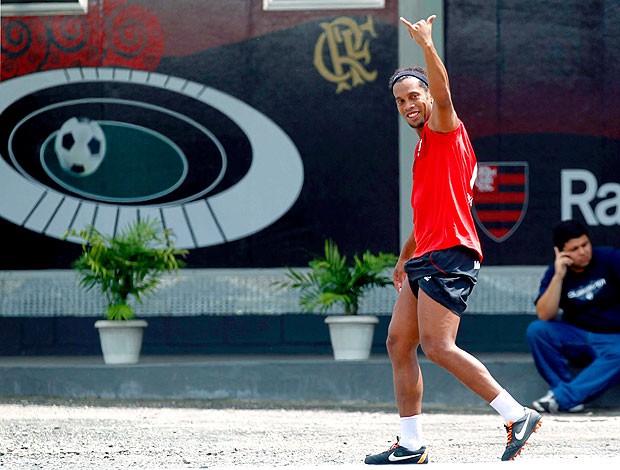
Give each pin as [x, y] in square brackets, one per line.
[444, 172]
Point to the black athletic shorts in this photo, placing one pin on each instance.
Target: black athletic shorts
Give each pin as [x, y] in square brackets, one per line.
[447, 276]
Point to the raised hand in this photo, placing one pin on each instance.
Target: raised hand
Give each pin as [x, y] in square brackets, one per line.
[420, 32]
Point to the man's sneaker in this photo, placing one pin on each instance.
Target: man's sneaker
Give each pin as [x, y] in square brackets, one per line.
[398, 454]
[519, 432]
[577, 408]
[549, 404]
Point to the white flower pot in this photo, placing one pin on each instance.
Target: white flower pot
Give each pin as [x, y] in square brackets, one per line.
[351, 336]
[121, 340]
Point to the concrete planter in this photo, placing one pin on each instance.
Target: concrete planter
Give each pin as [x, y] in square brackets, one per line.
[351, 336]
[121, 341]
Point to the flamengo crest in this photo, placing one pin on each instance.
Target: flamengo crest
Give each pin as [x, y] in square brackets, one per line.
[500, 198]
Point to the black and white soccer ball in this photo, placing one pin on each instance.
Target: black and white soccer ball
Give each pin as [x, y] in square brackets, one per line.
[80, 146]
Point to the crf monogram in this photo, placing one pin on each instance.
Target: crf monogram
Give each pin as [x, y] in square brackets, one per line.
[342, 41]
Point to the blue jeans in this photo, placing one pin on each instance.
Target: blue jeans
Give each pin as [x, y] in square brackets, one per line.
[556, 346]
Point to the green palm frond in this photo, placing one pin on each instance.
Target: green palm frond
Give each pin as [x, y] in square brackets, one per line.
[127, 265]
[331, 281]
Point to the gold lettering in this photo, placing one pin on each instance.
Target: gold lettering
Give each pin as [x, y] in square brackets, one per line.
[344, 42]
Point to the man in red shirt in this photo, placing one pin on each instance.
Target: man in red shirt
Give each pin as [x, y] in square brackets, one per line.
[439, 262]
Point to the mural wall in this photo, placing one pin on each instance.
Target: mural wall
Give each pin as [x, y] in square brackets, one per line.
[255, 135]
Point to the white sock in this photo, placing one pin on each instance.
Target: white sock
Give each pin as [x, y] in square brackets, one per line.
[509, 408]
[411, 432]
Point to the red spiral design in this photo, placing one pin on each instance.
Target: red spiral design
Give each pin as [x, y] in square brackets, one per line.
[111, 34]
[70, 38]
[133, 37]
[70, 34]
[24, 47]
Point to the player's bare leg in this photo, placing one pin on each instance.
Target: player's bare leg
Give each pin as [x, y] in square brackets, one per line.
[402, 345]
[438, 330]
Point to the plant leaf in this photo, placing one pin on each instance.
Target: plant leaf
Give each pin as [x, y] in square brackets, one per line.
[331, 281]
[128, 265]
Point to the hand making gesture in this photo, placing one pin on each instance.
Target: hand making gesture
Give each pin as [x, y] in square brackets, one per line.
[443, 118]
[420, 32]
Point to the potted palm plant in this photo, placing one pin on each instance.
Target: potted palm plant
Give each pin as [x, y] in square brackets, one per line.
[330, 282]
[125, 267]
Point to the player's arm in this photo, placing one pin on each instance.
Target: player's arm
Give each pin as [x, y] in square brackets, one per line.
[443, 117]
[399, 276]
[548, 304]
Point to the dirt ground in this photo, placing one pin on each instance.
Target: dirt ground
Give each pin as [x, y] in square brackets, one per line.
[67, 434]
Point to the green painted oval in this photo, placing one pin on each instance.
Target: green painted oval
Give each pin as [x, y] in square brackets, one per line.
[139, 164]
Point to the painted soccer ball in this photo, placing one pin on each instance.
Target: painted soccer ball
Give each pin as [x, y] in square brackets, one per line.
[80, 146]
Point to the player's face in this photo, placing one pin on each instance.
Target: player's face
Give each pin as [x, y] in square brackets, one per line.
[414, 103]
[580, 251]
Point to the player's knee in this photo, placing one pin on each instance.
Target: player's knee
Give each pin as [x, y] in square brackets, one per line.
[398, 346]
[435, 350]
[393, 344]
